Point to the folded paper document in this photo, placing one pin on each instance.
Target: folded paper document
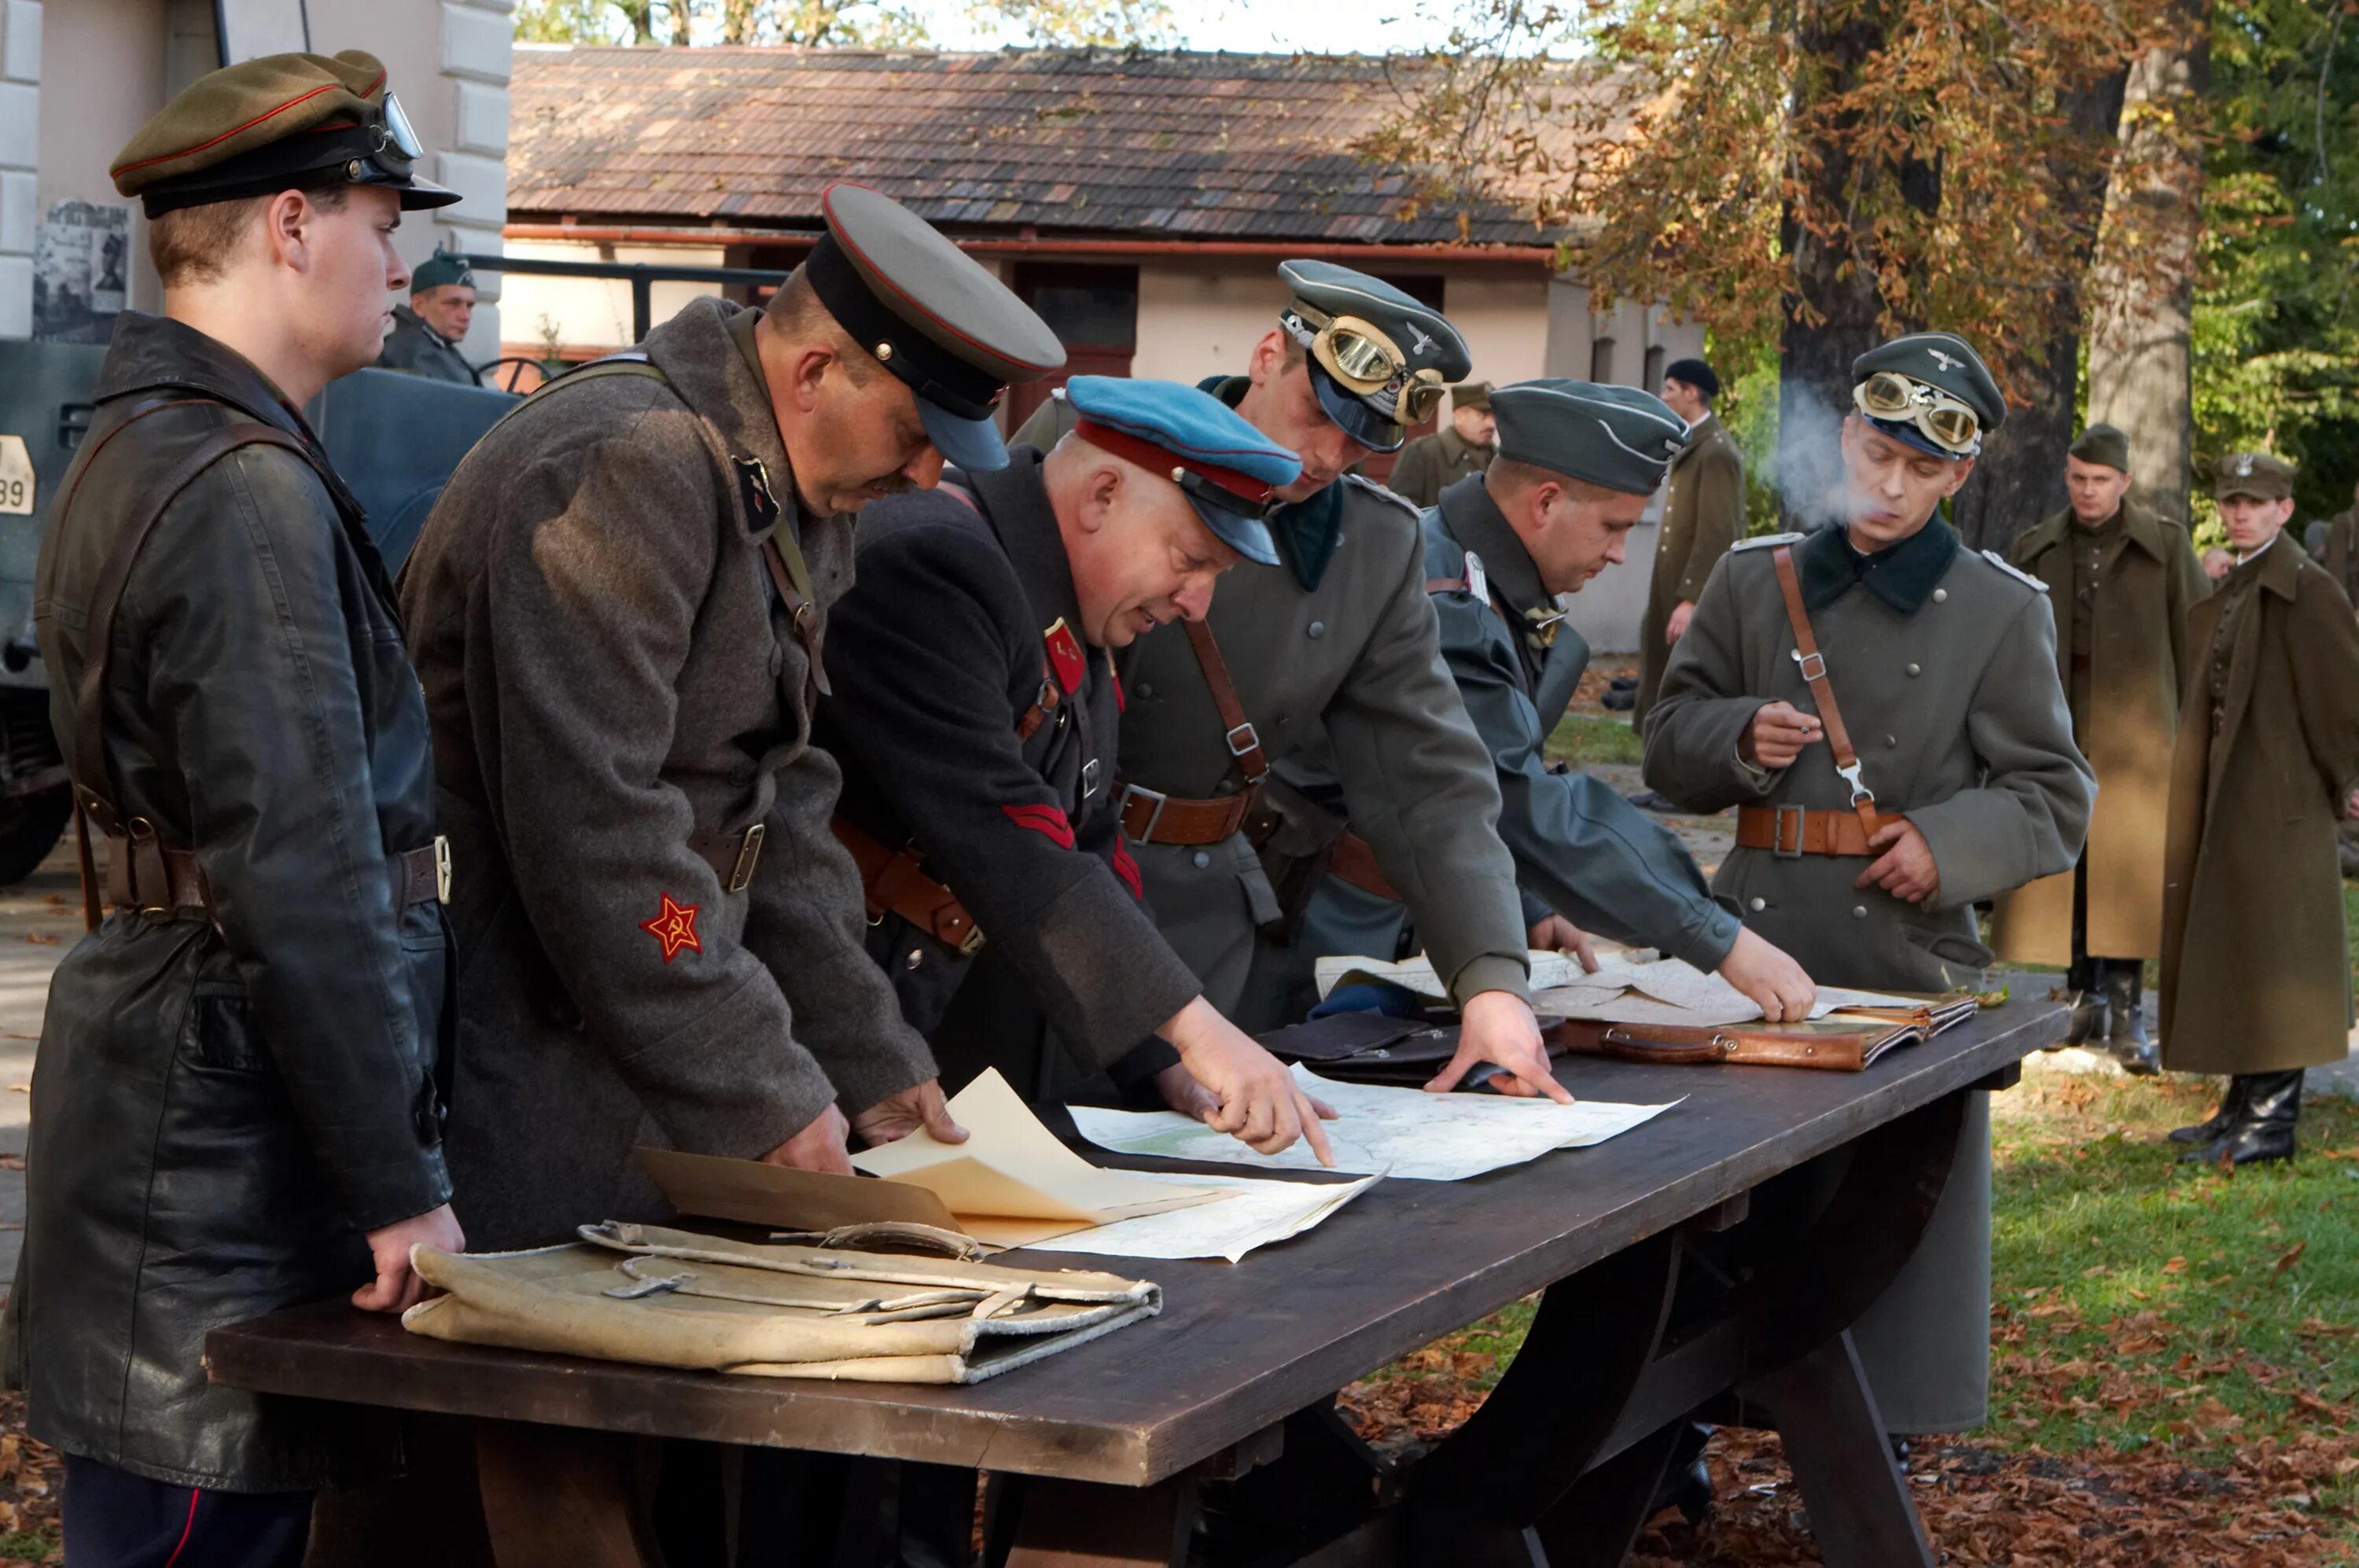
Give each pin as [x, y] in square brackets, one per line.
[1668, 991]
[1255, 1213]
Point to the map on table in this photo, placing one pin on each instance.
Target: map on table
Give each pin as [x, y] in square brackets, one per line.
[1383, 1131]
[1252, 1213]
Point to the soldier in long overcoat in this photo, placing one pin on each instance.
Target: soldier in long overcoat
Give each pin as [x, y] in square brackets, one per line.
[1704, 517]
[236, 1105]
[2122, 578]
[619, 606]
[1943, 667]
[2256, 973]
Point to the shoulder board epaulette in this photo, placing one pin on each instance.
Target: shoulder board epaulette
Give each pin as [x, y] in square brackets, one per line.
[1763, 542]
[2026, 578]
[1378, 491]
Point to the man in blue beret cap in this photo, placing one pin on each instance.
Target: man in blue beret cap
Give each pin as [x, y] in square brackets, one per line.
[1333, 648]
[1882, 705]
[428, 331]
[1578, 463]
[976, 714]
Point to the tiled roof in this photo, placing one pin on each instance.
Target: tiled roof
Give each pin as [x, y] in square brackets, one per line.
[1135, 145]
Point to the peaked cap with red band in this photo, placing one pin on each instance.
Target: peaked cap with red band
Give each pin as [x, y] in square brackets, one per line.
[932, 315]
[1230, 471]
[279, 122]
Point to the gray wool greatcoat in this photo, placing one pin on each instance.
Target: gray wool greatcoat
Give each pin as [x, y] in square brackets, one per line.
[2255, 978]
[608, 671]
[1960, 725]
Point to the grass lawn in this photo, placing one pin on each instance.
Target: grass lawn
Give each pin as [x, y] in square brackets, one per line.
[1583, 738]
[2175, 1357]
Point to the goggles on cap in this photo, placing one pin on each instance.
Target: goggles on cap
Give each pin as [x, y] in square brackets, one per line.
[1943, 420]
[393, 138]
[1366, 363]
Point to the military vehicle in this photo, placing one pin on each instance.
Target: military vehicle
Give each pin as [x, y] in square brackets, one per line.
[395, 439]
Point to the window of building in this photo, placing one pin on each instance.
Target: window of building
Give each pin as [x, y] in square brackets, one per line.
[1093, 311]
[1656, 360]
[1601, 361]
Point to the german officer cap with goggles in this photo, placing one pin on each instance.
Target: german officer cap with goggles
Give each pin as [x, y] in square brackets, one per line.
[281, 122]
[1379, 360]
[1929, 390]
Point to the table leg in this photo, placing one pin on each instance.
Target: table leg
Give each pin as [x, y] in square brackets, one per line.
[1596, 1524]
[559, 1497]
[1082, 1524]
[1861, 1512]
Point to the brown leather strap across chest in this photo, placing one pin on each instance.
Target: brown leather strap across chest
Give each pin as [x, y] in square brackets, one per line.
[1814, 674]
[897, 883]
[1150, 816]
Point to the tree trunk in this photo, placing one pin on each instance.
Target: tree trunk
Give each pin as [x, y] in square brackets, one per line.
[2020, 478]
[1833, 309]
[2141, 353]
[641, 15]
[682, 14]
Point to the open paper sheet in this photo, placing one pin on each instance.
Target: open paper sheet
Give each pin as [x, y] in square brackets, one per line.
[1668, 991]
[1384, 1131]
[1416, 975]
[1012, 1168]
[1255, 1213]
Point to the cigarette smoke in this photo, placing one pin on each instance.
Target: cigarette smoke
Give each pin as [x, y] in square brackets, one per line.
[1809, 476]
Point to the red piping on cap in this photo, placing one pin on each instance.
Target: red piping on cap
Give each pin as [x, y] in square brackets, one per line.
[1158, 460]
[240, 130]
[826, 202]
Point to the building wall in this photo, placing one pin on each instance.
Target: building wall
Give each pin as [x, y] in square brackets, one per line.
[77, 78]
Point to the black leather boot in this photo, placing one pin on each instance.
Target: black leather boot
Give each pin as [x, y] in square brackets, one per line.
[2264, 1132]
[2126, 1037]
[2088, 1023]
[2232, 1105]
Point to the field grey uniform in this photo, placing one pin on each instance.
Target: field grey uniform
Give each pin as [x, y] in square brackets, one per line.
[1943, 662]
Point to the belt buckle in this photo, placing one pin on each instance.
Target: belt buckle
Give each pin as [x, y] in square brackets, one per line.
[1239, 748]
[441, 868]
[1089, 779]
[1146, 833]
[1778, 849]
[1807, 660]
[1859, 790]
[972, 942]
[749, 856]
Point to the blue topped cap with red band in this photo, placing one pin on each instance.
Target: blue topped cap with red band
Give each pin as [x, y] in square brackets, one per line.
[1229, 471]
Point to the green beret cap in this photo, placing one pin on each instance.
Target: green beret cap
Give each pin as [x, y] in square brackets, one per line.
[1470, 395]
[2253, 474]
[1945, 362]
[279, 122]
[2104, 444]
[440, 268]
[1618, 437]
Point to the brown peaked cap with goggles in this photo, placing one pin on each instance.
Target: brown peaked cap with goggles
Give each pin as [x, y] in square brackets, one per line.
[281, 122]
[1379, 360]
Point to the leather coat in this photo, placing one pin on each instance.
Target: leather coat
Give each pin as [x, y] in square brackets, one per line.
[222, 1108]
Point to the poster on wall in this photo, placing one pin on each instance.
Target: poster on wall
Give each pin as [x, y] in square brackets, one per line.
[251, 27]
[81, 270]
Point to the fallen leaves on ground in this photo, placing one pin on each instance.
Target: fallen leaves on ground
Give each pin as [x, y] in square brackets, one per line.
[30, 1474]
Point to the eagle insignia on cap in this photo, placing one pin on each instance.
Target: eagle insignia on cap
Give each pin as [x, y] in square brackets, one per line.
[1066, 662]
[1423, 344]
[2243, 465]
[1946, 361]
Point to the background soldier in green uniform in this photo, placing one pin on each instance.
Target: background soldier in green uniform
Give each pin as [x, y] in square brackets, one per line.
[427, 332]
[1703, 515]
[236, 1106]
[619, 604]
[1944, 772]
[1338, 642]
[2125, 579]
[2255, 978]
[2338, 548]
[1577, 467]
[1430, 464]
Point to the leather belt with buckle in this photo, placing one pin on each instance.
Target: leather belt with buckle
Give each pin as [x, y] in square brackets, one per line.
[1792, 831]
[733, 856]
[1150, 816]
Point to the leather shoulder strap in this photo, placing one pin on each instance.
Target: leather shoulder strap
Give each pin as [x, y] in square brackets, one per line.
[1814, 671]
[1245, 744]
[87, 762]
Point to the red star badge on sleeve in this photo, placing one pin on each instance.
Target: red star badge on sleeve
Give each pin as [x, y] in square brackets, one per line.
[674, 927]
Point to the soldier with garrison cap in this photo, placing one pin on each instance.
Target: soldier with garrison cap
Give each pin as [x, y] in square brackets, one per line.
[1335, 645]
[1882, 705]
[975, 715]
[620, 606]
[1578, 465]
[427, 332]
[2122, 578]
[2255, 978]
[235, 1105]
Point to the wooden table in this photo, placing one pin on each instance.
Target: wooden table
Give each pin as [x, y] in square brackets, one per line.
[1689, 1263]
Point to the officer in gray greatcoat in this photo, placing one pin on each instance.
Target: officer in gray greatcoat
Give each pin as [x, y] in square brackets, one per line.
[1882, 705]
[1337, 645]
[1577, 467]
[619, 607]
[427, 332]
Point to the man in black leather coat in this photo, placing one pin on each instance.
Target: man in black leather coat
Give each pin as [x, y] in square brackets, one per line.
[235, 1105]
